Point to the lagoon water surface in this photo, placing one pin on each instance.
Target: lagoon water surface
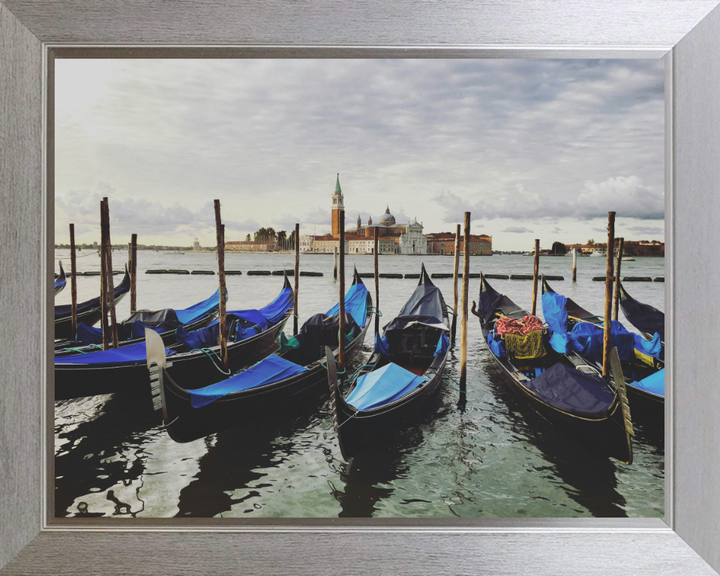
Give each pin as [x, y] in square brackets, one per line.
[493, 458]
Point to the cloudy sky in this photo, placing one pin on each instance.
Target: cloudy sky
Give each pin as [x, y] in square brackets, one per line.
[532, 148]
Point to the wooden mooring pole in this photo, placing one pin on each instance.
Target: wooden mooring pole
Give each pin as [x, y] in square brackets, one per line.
[297, 278]
[536, 267]
[109, 284]
[574, 265]
[616, 299]
[377, 281]
[220, 234]
[463, 330]
[455, 282]
[133, 273]
[341, 328]
[608, 295]
[73, 283]
[335, 259]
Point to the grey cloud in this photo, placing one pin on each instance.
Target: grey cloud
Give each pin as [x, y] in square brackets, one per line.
[517, 230]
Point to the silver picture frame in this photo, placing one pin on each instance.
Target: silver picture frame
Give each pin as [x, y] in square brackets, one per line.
[686, 33]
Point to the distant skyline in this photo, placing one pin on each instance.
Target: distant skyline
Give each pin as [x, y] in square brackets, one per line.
[532, 148]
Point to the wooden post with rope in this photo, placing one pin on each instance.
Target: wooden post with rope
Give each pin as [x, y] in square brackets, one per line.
[220, 236]
[608, 296]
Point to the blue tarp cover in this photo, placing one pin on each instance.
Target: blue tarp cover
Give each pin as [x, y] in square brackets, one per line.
[587, 340]
[497, 347]
[554, 307]
[572, 391]
[199, 310]
[355, 304]
[381, 345]
[383, 386]
[654, 383]
[123, 356]
[442, 345]
[271, 369]
[652, 347]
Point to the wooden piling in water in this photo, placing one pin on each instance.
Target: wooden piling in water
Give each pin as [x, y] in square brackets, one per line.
[73, 283]
[377, 281]
[616, 298]
[297, 278]
[109, 284]
[335, 259]
[341, 300]
[536, 267]
[220, 235]
[574, 265]
[133, 273]
[463, 330]
[455, 282]
[608, 295]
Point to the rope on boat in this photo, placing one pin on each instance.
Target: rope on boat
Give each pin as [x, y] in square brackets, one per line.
[374, 310]
[449, 310]
[453, 379]
[169, 423]
[97, 346]
[210, 353]
[358, 370]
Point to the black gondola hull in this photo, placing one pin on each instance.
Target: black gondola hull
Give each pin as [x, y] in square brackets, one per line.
[254, 407]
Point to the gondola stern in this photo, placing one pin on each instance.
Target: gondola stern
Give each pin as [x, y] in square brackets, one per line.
[156, 363]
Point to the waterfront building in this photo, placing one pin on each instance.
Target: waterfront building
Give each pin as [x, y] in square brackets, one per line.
[250, 246]
[444, 243]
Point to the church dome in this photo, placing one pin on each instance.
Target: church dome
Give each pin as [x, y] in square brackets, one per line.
[387, 219]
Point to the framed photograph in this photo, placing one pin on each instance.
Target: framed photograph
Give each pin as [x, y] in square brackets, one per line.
[682, 37]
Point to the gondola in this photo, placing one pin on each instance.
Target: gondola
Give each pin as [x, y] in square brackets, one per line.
[88, 312]
[405, 369]
[562, 388]
[291, 380]
[132, 330]
[642, 360]
[648, 320]
[60, 281]
[252, 334]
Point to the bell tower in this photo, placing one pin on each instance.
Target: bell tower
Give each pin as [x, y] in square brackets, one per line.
[337, 205]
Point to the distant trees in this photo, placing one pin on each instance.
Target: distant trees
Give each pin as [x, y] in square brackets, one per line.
[270, 236]
[248, 238]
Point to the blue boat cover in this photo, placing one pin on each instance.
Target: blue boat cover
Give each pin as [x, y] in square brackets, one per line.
[651, 347]
[355, 304]
[654, 383]
[242, 324]
[200, 309]
[123, 356]
[60, 284]
[381, 345]
[271, 369]
[497, 347]
[383, 386]
[442, 345]
[554, 307]
[88, 334]
[587, 340]
[572, 391]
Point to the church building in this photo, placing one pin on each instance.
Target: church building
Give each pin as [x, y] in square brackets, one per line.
[393, 238]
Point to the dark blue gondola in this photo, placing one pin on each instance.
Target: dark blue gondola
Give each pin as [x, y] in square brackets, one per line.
[405, 369]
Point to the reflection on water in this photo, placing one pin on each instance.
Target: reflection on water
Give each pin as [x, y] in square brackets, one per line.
[491, 457]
